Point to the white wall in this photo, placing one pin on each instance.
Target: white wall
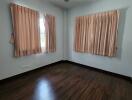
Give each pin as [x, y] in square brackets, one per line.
[65, 35]
[10, 66]
[122, 64]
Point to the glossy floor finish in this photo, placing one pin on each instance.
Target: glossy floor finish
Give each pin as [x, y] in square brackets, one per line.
[66, 81]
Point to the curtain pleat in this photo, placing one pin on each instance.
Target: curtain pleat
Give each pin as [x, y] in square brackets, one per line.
[50, 28]
[97, 34]
[26, 35]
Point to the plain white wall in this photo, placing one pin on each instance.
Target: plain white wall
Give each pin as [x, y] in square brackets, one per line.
[122, 63]
[10, 66]
[65, 35]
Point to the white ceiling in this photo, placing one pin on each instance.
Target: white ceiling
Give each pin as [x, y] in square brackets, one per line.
[71, 3]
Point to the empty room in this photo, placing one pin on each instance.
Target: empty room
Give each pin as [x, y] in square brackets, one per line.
[65, 49]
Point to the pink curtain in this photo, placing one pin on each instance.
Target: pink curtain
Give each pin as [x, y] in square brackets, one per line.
[97, 34]
[26, 35]
[50, 33]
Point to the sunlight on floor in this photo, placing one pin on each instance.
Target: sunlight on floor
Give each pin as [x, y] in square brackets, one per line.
[44, 91]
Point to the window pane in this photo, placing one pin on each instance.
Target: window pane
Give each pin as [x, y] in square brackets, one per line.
[42, 34]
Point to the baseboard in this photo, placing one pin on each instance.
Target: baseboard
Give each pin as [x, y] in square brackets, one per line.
[66, 61]
[28, 72]
[100, 70]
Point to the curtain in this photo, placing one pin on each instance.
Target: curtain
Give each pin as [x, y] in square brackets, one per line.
[50, 29]
[97, 34]
[26, 35]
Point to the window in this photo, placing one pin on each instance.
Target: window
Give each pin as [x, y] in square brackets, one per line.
[42, 34]
[32, 31]
[26, 36]
[97, 34]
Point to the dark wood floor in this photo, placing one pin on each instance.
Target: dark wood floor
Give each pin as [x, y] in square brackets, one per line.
[66, 81]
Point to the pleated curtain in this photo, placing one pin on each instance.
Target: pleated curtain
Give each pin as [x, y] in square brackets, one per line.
[97, 33]
[26, 35]
[50, 29]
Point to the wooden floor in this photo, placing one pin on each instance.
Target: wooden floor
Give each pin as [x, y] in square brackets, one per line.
[66, 81]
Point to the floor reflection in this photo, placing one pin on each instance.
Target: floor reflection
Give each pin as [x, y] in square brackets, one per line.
[44, 91]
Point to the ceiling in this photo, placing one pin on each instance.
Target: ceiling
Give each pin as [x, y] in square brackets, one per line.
[71, 3]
